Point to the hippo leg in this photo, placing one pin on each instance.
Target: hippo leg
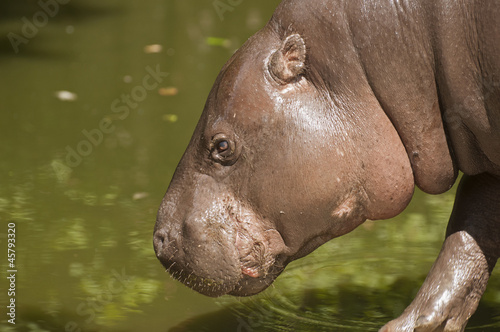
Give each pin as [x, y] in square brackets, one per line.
[458, 278]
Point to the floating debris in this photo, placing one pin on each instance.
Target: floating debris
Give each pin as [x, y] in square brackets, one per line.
[216, 41]
[170, 118]
[153, 48]
[139, 195]
[65, 95]
[168, 91]
[127, 79]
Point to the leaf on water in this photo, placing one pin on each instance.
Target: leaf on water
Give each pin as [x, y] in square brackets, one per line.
[153, 48]
[170, 118]
[139, 195]
[168, 91]
[217, 41]
[66, 95]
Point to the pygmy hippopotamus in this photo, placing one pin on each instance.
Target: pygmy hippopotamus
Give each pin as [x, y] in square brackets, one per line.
[328, 116]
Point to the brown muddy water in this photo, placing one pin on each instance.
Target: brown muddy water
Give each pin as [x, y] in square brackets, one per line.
[98, 102]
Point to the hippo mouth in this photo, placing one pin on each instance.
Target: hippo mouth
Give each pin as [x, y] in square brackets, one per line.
[261, 257]
[257, 247]
[223, 249]
[254, 257]
[261, 250]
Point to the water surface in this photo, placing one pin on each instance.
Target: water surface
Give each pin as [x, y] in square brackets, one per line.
[98, 104]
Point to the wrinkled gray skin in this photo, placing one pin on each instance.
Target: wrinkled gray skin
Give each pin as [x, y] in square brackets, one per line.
[329, 116]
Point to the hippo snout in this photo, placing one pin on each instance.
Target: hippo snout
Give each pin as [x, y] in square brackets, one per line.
[206, 266]
[217, 245]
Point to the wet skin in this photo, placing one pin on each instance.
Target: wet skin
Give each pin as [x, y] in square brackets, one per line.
[328, 116]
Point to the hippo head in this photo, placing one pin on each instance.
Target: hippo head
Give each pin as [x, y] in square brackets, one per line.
[279, 163]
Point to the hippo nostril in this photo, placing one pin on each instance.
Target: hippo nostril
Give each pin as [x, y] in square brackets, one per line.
[160, 241]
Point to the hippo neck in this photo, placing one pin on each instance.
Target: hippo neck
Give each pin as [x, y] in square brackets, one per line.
[399, 60]
[404, 53]
[435, 79]
[364, 49]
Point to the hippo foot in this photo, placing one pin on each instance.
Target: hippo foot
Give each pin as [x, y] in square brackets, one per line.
[451, 317]
[451, 292]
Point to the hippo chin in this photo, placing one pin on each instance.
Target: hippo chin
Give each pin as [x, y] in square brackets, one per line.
[328, 116]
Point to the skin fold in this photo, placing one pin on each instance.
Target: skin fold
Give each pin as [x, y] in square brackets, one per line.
[328, 116]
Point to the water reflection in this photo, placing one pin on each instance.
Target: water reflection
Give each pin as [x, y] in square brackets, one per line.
[357, 282]
[84, 229]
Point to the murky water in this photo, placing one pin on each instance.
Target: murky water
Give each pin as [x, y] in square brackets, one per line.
[98, 102]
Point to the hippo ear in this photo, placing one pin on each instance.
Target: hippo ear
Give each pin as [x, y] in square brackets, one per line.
[288, 62]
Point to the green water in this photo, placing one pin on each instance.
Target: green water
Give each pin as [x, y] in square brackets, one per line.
[94, 121]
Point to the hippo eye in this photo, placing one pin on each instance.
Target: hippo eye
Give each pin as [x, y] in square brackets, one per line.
[222, 146]
[223, 149]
